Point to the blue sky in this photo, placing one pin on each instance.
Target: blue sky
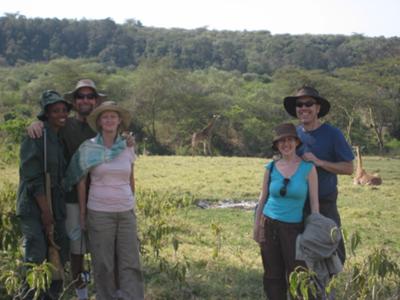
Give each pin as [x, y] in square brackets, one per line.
[367, 17]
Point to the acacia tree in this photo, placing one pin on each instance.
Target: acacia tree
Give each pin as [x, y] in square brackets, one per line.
[156, 89]
[380, 96]
[380, 115]
[346, 98]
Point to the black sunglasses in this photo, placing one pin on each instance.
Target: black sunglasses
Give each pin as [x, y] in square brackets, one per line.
[306, 104]
[87, 96]
[283, 189]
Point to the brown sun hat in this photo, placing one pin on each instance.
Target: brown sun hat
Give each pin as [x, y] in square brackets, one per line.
[284, 130]
[124, 114]
[306, 91]
[70, 96]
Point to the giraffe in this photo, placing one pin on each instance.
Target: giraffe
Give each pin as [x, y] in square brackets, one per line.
[362, 177]
[204, 136]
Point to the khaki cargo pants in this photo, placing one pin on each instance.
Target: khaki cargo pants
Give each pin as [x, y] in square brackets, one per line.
[114, 249]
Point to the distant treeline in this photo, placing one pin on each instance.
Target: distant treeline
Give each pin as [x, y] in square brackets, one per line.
[25, 40]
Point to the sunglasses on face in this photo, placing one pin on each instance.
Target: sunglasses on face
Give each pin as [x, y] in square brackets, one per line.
[87, 96]
[283, 189]
[306, 104]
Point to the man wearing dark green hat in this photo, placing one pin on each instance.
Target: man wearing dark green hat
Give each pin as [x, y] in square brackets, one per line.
[43, 222]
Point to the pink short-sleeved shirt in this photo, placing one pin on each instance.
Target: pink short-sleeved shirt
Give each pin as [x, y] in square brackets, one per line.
[110, 188]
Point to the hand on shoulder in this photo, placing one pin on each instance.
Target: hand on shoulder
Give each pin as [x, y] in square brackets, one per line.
[35, 130]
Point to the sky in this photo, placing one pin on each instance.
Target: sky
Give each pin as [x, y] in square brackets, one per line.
[368, 17]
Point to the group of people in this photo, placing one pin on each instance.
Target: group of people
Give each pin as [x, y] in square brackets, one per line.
[91, 192]
[297, 211]
[77, 181]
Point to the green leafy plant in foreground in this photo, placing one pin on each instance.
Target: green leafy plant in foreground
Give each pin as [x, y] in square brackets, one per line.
[38, 277]
[21, 278]
[156, 212]
[11, 275]
[301, 283]
[217, 232]
[377, 276]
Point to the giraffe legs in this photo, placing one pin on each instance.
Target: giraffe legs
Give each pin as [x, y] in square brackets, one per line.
[196, 140]
[209, 147]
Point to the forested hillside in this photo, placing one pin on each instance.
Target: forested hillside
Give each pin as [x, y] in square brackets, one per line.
[175, 80]
[33, 40]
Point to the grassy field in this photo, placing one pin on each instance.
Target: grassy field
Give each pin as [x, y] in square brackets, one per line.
[371, 210]
[215, 252]
[209, 178]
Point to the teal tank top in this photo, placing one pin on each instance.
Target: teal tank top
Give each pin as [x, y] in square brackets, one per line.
[288, 208]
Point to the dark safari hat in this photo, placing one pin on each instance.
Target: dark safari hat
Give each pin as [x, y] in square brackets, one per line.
[282, 131]
[50, 97]
[124, 114]
[306, 91]
[81, 84]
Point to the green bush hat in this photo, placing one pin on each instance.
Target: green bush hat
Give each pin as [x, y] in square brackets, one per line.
[50, 97]
[70, 96]
[124, 114]
[306, 91]
[284, 130]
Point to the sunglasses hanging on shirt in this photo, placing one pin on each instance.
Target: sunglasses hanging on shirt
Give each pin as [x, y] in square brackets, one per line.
[283, 189]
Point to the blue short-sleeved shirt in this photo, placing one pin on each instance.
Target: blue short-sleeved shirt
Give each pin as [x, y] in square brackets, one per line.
[288, 208]
[327, 143]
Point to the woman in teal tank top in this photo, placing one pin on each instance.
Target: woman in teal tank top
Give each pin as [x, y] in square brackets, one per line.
[288, 182]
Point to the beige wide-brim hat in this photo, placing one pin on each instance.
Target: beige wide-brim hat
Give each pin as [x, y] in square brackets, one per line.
[81, 84]
[124, 114]
[285, 130]
[306, 91]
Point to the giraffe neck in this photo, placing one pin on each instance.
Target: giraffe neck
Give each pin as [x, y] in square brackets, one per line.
[209, 127]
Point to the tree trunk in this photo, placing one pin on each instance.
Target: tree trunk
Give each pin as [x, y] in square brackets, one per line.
[348, 129]
[153, 120]
[350, 120]
[377, 130]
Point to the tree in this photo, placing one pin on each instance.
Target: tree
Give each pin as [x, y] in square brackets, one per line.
[154, 92]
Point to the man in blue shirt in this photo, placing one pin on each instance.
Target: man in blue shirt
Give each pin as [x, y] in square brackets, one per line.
[324, 145]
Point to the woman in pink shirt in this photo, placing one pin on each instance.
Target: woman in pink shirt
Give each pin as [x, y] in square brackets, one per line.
[107, 210]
